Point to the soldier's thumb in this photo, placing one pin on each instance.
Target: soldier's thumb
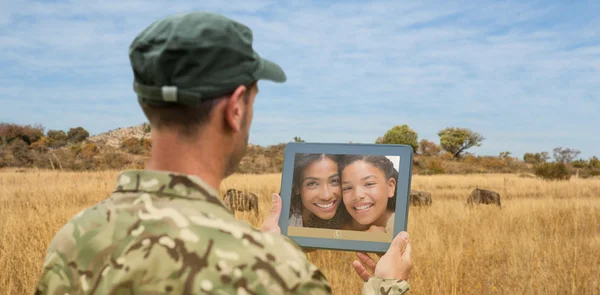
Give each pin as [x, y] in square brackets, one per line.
[275, 208]
[399, 243]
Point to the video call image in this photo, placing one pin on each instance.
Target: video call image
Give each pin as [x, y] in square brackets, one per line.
[344, 196]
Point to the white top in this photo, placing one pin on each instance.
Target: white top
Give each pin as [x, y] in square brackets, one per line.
[389, 227]
[295, 220]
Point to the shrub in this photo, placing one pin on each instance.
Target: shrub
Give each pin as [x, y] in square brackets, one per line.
[552, 171]
[113, 160]
[428, 148]
[580, 163]
[22, 156]
[27, 133]
[594, 163]
[133, 145]
[492, 163]
[56, 138]
[89, 150]
[41, 145]
[77, 134]
[587, 173]
[431, 166]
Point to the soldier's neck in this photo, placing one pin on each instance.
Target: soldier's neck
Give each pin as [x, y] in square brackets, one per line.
[203, 160]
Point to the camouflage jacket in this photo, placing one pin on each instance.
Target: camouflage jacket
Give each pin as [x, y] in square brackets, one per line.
[166, 233]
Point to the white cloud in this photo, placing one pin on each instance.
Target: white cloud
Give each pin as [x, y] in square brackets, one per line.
[511, 71]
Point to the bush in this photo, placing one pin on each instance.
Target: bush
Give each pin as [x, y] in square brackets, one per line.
[133, 145]
[41, 145]
[552, 171]
[89, 150]
[56, 138]
[113, 160]
[587, 173]
[430, 166]
[536, 158]
[594, 163]
[27, 133]
[22, 156]
[77, 134]
[428, 148]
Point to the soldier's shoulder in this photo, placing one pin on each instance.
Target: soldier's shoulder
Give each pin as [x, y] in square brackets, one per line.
[237, 242]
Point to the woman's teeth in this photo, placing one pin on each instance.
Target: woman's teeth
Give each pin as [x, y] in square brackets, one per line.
[325, 206]
[363, 207]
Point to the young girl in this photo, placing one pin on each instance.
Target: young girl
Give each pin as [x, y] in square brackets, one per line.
[369, 192]
[316, 191]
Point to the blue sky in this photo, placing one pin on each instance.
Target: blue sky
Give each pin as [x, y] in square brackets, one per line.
[526, 75]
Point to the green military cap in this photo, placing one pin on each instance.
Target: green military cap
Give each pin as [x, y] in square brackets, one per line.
[187, 58]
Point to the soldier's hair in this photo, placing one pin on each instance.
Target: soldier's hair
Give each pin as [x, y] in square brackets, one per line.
[185, 119]
[301, 162]
[380, 162]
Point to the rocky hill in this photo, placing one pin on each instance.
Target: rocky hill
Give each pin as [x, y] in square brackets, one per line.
[115, 137]
[258, 159]
[26, 146]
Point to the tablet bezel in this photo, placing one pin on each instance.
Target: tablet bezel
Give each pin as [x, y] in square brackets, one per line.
[405, 152]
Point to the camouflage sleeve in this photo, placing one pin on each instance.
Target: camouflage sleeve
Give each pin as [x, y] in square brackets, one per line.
[376, 286]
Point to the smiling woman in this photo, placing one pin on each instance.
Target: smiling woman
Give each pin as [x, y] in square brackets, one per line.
[369, 192]
[316, 191]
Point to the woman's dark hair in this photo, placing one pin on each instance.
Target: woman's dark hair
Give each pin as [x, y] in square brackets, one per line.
[301, 162]
[382, 163]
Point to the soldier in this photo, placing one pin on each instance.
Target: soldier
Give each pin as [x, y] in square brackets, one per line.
[164, 229]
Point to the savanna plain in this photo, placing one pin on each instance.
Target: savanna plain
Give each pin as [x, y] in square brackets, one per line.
[544, 240]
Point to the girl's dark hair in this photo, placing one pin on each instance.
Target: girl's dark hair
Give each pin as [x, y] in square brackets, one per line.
[382, 163]
[301, 162]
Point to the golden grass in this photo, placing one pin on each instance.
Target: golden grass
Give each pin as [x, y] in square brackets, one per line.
[544, 240]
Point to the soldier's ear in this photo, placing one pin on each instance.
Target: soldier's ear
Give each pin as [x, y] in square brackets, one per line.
[237, 106]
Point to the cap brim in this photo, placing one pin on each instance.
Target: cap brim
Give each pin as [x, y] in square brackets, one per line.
[271, 71]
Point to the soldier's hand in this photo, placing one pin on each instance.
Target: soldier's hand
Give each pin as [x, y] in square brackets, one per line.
[394, 264]
[271, 224]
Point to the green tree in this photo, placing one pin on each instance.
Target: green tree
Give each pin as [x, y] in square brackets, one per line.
[56, 138]
[457, 140]
[77, 134]
[536, 158]
[594, 162]
[401, 135]
[298, 139]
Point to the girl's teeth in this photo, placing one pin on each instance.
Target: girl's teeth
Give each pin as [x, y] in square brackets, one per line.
[325, 205]
[364, 207]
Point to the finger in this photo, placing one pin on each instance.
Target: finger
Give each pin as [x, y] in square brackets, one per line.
[399, 243]
[275, 210]
[407, 251]
[271, 223]
[367, 260]
[361, 270]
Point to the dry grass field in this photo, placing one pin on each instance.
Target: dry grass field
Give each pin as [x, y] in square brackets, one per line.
[544, 240]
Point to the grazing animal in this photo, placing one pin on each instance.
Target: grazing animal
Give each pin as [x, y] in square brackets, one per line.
[420, 198]
[482, 196]
[241, 201]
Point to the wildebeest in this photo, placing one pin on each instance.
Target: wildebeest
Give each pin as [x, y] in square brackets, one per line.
[420, 198]
[482, 196]
[241, 201]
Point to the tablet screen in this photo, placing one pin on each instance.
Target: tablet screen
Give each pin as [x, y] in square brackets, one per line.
[344, 196]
